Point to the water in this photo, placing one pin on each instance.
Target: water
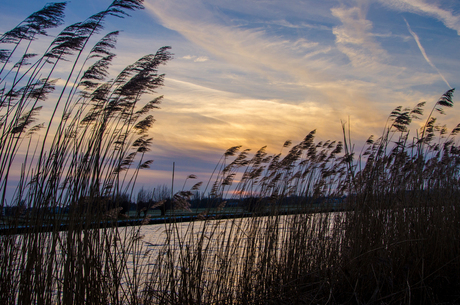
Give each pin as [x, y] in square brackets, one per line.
[154, 258]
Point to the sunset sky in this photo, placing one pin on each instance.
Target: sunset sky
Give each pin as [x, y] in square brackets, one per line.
[261, 72]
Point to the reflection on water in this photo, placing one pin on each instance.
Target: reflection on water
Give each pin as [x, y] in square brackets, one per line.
[221, 238]
[155, 236]
[224, 253]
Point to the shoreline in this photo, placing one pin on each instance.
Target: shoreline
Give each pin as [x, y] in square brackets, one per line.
[22, 229]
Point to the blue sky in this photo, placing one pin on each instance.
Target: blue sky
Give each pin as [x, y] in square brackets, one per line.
[257, 73]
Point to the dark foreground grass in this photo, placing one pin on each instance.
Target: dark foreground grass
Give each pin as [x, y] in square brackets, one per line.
[396, 242]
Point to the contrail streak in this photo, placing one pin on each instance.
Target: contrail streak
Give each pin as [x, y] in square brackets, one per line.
[424, 53]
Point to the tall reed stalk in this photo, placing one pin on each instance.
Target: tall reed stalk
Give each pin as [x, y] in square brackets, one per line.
[393, 240]
[87, 154]
[392, 236]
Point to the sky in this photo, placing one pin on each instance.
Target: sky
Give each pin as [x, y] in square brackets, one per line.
[260, 72]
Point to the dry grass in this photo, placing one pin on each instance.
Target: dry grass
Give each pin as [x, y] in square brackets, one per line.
[84, 158]
[396, 242]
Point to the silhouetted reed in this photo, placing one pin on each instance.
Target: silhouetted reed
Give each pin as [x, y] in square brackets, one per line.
[74, 168]
[327, 225]
[393, 237]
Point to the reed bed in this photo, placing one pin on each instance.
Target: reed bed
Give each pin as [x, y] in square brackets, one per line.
[393, 238]
[75, 168]
[393, 241]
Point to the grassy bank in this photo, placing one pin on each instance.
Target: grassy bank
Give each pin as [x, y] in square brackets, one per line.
[396, 241]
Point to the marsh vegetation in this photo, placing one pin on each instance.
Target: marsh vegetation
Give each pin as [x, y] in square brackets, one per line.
[397, 240]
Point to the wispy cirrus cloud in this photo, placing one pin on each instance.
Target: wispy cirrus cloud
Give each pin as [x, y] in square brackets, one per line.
[422, 50]
[354, 37]
[351, 75]
[300, 60]
[449, 19]
[249, 49]
[196, 58]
